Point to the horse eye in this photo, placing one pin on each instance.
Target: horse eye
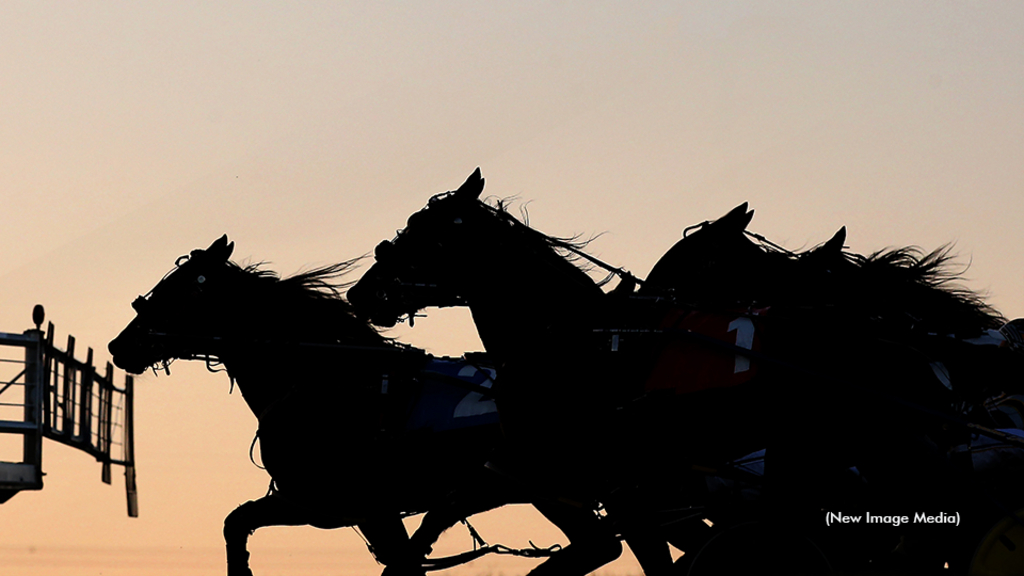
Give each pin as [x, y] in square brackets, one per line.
[458, 220]
[201, 279]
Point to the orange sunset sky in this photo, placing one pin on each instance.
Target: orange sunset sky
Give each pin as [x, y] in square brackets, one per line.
[131, 133]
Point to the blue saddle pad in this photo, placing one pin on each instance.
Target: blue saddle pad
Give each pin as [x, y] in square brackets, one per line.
[444, 405]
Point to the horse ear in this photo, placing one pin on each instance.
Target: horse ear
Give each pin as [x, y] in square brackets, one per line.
[737, 218]
[221, 248]
[218, 244]
[836, 243]
[472, 187]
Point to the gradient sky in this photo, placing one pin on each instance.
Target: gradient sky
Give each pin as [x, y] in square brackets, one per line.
[131, 133]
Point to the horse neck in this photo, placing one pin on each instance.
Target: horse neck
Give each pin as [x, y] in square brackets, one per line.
[267, 374]
[271, 353]
[260, 387]
[521, 302]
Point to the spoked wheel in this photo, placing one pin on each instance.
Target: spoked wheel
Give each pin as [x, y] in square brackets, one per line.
[755, 549]
[1001, 550]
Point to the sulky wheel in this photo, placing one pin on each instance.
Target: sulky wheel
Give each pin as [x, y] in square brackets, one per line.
[1001, 550]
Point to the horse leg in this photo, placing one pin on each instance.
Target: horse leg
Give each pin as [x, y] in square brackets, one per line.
[389, 543]
[629, 509]
[591, 545]
[460, 505]
[647, 544]
[243, 521]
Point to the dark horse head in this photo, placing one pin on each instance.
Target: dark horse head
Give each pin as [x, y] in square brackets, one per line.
[438, 259]
[208, 306]
[412, 270]
[169, 311]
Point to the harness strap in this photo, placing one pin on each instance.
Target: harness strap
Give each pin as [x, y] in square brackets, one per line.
[451, 561]
[477, 539]
[620, 272]
[252, 447]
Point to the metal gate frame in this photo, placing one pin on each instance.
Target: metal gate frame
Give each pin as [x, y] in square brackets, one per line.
[69, 401]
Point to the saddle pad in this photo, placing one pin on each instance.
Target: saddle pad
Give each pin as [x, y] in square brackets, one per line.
[444, 405]
[686, 365]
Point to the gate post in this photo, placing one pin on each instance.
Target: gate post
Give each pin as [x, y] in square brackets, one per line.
[131, 489]
[106, 420]
[33, 441]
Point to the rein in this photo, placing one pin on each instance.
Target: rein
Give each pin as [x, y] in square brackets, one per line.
[627, 275]
[193, 340]
[620, 272]
[398, 348]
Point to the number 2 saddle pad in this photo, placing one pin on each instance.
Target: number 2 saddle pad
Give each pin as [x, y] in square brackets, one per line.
[445, 405]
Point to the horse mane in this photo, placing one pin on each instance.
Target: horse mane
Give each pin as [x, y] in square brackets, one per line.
[566, 247]
[316, 298]
[926, 288]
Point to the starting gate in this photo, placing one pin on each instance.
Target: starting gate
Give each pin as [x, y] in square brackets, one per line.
[47, 392]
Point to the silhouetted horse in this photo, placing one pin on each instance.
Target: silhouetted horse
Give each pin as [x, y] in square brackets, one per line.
[731, 345]
[354, 429]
